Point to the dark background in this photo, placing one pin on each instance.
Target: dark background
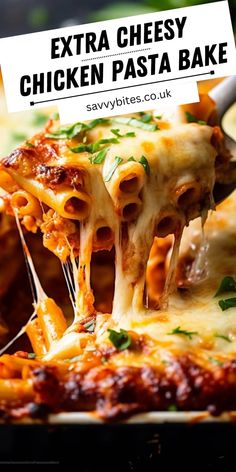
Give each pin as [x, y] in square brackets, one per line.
[26, 16]
[91, 448]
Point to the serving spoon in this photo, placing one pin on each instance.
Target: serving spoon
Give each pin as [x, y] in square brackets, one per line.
[224, 95]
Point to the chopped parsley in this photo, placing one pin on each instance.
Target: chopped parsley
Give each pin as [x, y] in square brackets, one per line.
[145, 117]
[99, 158]
[117, 133]
[144, 162]
[121, 340]
[89, 326]
[55, 116]
[18, 136]
[158, 117]
[31, 355]
[183, 332]
[94, 147]
[172, 408]
[28, 144]
[39, 119]
[228, 284]
[136, 123]
[113, 168]
[192, 119]
[227, 303]
[215, 361]
[69, 132]
[223, 336]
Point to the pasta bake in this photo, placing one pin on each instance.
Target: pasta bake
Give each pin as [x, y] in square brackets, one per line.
[127, 206]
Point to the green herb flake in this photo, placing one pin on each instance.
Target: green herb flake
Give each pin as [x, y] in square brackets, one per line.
[90, 326]
[98, 121]
[28, 144]
[31, 355]
[68, 132]
[92, 148]
[39, 119]
[223, 336]
[215, 361]
[136, 123]
[18, 136]
[146, 117]
[183, 332]
[117, 133]
[131, 159]
[158, 117]
[172, 408]
[99, 158]
[192, 119]
[113, 168]
[145, 164]
[121, 340]
[55, 116]
[82, 148]
[227, 303]
[228, 284]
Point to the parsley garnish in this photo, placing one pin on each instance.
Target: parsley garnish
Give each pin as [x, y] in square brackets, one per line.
[89, 326]
[228, 284]
[113, 168]
[192, 119]
[145, 117]
[28, 144]
[39, 119]
[223, 336]
[67, 132]
[18, 136]
[99, 158]
[143, 161]
[71, 131]
[95, 146]
[121, 340]
[172, 408]
[215, 361]
[136, 123]
[117, 133]
[145, 164]
[184, 332]
[55, 116]
[31, 355]
[227, 303]
[158, 117]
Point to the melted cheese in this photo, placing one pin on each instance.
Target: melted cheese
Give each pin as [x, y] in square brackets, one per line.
[180, 154]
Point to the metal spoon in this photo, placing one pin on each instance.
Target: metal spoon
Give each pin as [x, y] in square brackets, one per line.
[224, 95]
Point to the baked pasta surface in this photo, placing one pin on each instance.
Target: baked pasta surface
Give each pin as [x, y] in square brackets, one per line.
[126, 204]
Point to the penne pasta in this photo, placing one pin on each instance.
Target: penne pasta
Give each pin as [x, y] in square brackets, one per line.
[129, 208]
[188, 194]
[36, 337]
[103, 237]
[51, 321]
[25, 204]
[169, 222]
[68, 202]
